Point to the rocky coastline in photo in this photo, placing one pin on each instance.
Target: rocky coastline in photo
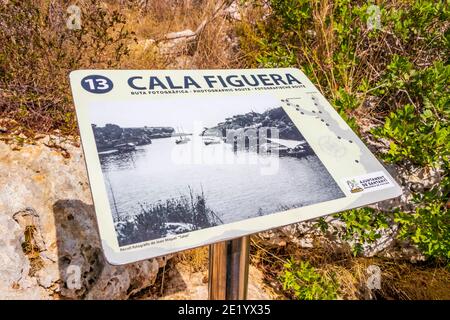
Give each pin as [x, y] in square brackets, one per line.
[273, 118]
[112, 135]
[276, 118]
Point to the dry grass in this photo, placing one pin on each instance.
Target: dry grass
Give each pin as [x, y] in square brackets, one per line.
[210, 49]
[400, 279]
[339, 62]
[412, 282]
[37, 52]
[196, 259]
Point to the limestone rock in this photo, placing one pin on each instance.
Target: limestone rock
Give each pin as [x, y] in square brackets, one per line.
[14, 264]
[183, 283]
[180, 34]
[233, 11]
[44, 194]
[176, 43]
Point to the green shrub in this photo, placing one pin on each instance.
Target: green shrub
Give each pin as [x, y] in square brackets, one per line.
[429, 226]
[421, 138]
[418, 132]
[403, 68]
[331, 42]
[305, 283]
[363, 225]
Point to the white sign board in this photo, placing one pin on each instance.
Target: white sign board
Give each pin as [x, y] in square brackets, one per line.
[181, 159]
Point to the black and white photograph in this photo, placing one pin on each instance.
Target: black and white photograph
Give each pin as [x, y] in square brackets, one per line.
[174, 166]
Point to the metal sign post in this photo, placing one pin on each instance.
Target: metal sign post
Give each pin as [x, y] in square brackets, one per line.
[228, 269]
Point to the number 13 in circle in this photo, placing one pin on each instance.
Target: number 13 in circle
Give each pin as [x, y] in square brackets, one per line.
[96, 84]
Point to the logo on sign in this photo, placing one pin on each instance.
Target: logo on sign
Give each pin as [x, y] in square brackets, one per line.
[368, 182]
[96, 84]
[354, 186]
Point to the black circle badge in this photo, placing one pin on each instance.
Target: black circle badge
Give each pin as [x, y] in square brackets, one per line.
[97, 84]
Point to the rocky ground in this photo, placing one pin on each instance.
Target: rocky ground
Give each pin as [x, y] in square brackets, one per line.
[182, 283]
[111, 135]
[49, 245]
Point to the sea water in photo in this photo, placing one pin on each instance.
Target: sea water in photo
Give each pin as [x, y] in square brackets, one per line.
[168, 175]
[233, 191]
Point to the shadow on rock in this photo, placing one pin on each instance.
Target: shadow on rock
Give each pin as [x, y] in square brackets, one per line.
[174, 285]
[84, 272]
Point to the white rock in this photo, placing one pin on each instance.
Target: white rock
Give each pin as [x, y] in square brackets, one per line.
[14, 265]
[306, 242]
[233, 11]
[40, 185]
[180, 34]
[176, 43]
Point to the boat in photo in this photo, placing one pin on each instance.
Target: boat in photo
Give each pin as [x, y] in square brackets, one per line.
[125, 147]
[211, 140]
[300, 151]
[182, 138]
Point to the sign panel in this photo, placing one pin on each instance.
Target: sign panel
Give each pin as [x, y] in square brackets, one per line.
[180, 159]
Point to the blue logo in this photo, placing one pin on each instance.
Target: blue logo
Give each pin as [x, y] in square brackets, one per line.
[97, 84]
